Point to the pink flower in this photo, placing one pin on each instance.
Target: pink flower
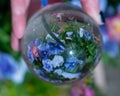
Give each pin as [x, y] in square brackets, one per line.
[80, 89]
[35, 51]
[58, 16]
[113, 25]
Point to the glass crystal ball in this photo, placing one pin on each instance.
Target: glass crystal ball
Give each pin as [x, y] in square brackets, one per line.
[61, 44]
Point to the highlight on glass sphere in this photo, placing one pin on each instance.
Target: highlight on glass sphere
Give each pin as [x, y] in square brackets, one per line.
[61, 44]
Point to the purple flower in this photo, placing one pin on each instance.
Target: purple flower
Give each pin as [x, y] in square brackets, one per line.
[58, 16]
[113, 25]
[47, 65]
[81, 90]
[32, 51]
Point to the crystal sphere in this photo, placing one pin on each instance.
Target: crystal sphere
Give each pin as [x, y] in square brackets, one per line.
[61, 44]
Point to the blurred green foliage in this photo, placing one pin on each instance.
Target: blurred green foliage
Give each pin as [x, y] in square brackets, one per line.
[114, 3]
[32, 86]
[110, 61]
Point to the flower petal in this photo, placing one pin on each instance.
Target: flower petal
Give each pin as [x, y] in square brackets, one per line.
[57, 61]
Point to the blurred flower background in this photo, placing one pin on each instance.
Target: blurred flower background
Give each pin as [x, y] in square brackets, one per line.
[16, 80]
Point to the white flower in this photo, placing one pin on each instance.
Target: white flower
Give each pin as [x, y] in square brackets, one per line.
[50, 37]
[81, 32]
[59, 71]
[70, 75]
[66, 74]
[69, 33]
[57, 61]
[18, 76]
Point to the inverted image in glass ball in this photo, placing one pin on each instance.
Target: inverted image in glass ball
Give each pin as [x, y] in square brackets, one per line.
[61, 44]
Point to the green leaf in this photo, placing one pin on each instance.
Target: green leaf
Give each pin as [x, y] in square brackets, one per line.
[89, 59]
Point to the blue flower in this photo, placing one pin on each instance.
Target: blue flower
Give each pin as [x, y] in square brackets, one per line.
[35, 42]
[110, 46]
[10, 69]
[44, 50]
[73, 64]
[19, 74]
[47, 65]
[44, 53]
[55, 48]
[36, 49]
[30, 55]
[50, 48]
[7, 66]
[85, 33]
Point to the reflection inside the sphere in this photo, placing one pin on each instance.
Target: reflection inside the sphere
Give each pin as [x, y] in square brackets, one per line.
[63, 48]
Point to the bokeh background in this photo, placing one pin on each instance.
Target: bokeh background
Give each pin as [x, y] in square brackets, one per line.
[16, 80]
